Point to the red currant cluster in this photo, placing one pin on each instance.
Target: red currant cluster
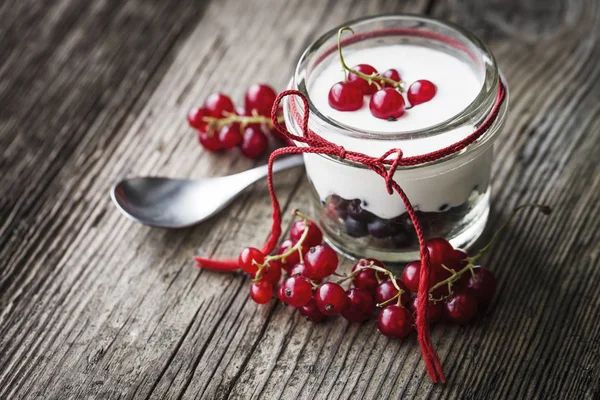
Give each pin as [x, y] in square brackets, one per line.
[385, 89]
[457, 290]
[221, 127]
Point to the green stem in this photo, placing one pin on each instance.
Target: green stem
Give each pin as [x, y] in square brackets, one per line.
[214, 124]
[376, 78]
[385, 272]
[297, 247]
[471, 261]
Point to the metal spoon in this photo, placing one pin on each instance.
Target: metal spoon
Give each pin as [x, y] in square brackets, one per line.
[177, 203]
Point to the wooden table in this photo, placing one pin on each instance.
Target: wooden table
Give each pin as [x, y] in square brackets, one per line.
[93, 305]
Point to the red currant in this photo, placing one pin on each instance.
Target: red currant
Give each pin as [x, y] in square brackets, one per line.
[360, 305]
[482, 285]
[260, 98]
[219, 105]
[196, 120]
[440, 250]
[321, 261]
[209, 140]
[230, 136]
[344, 96]
[461, 308]
[261, 292]
[395, 321]
[293, 258]
[297, 291]
[411, 276]
[420, 92]
[314, 237]
[311, 312]
[392, 74]
[386, 290]
[272, 273]
[387, 103]
[298, 269]
[365, 278]
[249, 260]
[281, 293]
[361, 83]
[457, 262]
[331, 298]
[435, 310]
[254, 142]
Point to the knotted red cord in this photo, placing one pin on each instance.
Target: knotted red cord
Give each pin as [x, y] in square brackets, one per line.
[315, 144]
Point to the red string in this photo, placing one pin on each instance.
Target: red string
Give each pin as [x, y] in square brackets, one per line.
[315, 144]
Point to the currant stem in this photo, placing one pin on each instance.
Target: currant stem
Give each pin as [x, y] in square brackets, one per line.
[296, 247]
[375, 78]
[214, 124]
[455, 275]
[386, 272]
[388, 301]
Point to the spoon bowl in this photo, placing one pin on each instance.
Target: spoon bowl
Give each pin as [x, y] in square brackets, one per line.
[179, 203]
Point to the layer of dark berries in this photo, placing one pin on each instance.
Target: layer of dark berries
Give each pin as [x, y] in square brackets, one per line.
[397, 232]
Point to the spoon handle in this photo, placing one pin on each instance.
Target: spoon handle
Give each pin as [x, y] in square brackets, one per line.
[254, 174]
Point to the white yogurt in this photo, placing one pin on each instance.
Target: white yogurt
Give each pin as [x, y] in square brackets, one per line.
[430, 188]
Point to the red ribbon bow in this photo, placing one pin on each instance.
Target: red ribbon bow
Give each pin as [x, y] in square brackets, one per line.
[315, 144]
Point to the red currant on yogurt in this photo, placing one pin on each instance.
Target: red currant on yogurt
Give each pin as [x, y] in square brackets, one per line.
[254, 142]
[331, 298]
[361, 83]
[259, 97]
[387, 103]
[345, 96]
[219, 105]
[394, 321]
[392, 74]
[420, 92]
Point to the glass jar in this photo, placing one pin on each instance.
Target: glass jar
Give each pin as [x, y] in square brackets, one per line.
[451, 195]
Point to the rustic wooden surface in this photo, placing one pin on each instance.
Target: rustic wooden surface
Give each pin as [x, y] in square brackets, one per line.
[93, 305]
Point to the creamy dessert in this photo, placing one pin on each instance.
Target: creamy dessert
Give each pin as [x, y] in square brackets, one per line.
[451, 195]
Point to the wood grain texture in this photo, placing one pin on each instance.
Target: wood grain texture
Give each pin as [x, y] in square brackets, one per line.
[94, 306]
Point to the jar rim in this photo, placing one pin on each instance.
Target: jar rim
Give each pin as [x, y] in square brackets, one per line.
[472, 114]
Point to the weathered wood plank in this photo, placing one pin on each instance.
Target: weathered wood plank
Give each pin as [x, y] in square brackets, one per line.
[92, 305]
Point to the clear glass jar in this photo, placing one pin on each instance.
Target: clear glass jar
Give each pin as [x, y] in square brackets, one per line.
[452, 194]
